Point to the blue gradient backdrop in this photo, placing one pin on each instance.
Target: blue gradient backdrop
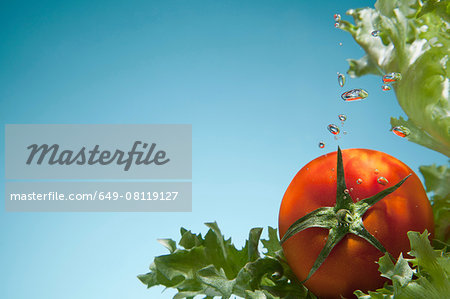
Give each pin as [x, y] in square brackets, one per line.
[256, 79]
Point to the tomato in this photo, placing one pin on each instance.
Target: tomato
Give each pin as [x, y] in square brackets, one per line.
[351, 264]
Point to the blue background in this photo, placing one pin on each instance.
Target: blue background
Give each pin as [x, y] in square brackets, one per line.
[256, 79]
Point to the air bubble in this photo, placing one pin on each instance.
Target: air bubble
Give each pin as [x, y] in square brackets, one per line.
[392, 77]
[375, 33]
[333, 129]
[341, 79]
[342, 117]
[321, 144]
[337, 17]
[382, 180]
[354, 95]
[401, 131]
[359, 181]
[346, 191]
[386, 87]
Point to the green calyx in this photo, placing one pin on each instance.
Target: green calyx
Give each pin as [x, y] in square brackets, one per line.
[344, 218]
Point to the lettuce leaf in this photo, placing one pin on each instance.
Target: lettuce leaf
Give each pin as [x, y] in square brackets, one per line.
[428, 278]
[413, 40]
[437, 180]
[212, 266]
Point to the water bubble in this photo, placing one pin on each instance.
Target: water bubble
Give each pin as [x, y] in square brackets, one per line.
[382, 180]
[340, 44]
[375, 33]
[391, 77]
[376, 171]
[346, 191]
[342, 117]
[344, 197]
[354, 95]
[359, 181]
[351, 189]
[337, 17]
[337, 24]
[276, 275]
[321, 144]
[333, 129]
[401, 131]
[341, 79]
[385, 87]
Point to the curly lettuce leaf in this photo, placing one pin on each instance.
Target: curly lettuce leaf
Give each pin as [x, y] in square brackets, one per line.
[427, 278]
[212, 266]
[413, 40]
[437, 184]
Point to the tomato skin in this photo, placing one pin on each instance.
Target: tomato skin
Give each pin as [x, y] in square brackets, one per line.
[351, 264]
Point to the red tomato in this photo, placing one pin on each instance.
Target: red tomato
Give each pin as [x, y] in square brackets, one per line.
[351, 264]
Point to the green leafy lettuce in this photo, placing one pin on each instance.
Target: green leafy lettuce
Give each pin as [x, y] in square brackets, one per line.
[413, 40]
[213, 266]
[428, 278]
[437, 183]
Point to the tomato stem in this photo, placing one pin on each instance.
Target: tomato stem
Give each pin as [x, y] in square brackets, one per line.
[344, 218]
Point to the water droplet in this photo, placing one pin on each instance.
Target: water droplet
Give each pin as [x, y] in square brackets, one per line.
[337, 24]
[354, 95]
[333, 129]
[375, 33]
[346, 191]
[386, 87]
[276, 275]
[382, 180]
[401, 131]
[342, 117]
[321, 144]
[376, 171]
[341, 79]
[359, 181]
[340, 44]
[391, 77]
[337, 17]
